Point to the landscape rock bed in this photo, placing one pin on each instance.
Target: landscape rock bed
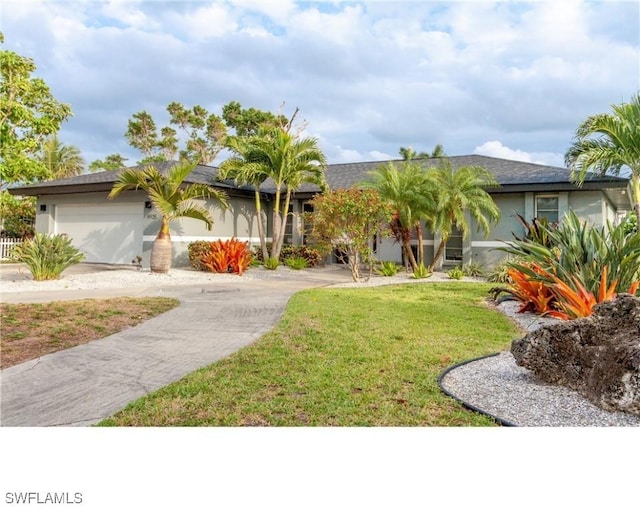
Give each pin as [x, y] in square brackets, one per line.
[499, 387]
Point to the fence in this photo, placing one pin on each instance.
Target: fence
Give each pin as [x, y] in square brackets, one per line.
[6, 244]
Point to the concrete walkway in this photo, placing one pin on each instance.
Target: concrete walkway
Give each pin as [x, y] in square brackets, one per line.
[82, 385]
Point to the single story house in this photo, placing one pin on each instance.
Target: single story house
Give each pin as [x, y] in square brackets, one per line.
[117, 231]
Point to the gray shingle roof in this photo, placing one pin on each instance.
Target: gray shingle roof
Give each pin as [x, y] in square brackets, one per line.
[509, 173]
[104, 181]
[506, 172]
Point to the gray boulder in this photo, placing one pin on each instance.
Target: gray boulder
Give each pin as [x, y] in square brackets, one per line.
[598, 356]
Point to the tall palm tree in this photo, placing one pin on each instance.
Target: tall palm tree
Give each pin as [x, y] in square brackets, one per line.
[408, 153]
[172, 199]
[288, 161]
[607, 143]
[411, 196]
[411, 154]
[458, 192]
[245, 170]
[61, 161]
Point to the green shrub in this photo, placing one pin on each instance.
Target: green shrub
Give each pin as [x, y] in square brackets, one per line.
[630, 223]
[473, 269]
[46, 256]
[307, 252]
[388, 268]
[310, 254]
[271, 263]
[422, 272]
[500, 273]
[18, 216]
[455, 273]
[296, 262]
[197, 250]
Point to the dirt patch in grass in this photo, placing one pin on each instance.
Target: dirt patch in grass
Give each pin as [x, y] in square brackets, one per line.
[33, 330]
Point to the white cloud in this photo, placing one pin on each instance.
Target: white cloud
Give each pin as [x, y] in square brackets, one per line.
[128, 14]
[496, 149]
[368, 77]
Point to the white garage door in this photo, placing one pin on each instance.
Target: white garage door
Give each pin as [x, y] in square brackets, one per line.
[110, 233]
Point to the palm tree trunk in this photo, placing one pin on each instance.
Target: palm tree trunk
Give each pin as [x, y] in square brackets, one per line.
[438, 254]
[420, 244]
[276, 225]
[406, 244]
[161, 250]
[263, 238]
[279, 239]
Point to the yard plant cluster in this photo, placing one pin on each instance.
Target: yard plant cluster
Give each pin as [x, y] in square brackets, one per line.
[564, 270]
[234, 256]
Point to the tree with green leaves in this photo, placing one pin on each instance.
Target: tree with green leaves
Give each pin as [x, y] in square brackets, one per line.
[458, 192]
[61, 161]
[205, 134]
[142, 134]
[245, 169]
[609, 142]
[411, 196]
[348, 220]
[111, 162]
[409, 153]
[172, 199]
[287, 159]
[248, 121]
[28, 115]
[17, 215]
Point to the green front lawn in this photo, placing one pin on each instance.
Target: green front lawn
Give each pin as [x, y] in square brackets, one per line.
[357, 357]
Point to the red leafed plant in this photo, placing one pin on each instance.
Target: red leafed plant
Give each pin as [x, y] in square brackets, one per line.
[535, 295]
[577, 302]
[227, 256]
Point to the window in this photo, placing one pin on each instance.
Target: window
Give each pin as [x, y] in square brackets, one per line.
[547, 208]
[453, 247]
[288, 229]
[307, 224]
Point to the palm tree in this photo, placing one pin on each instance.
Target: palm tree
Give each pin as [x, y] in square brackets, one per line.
[408, 153]
[458, 192]
[246, 171]
[289, 162]
[172, 199]
[60, 160]
[607, 143]
[411, 196]
[411, 154]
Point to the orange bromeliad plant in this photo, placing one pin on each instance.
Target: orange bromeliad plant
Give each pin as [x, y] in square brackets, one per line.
[577, 301]
[541, 291]
[227, 256]
[535, 295]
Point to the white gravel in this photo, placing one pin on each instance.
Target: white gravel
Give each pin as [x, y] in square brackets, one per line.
[115, 278]
[17, 279]
[501, 388]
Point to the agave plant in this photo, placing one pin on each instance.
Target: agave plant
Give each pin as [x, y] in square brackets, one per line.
[47, 256]
[581, 251]
[388, 268]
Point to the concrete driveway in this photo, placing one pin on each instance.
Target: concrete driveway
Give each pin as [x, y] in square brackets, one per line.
[82, 385]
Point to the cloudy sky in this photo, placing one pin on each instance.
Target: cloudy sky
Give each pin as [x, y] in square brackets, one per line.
[507, 79]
